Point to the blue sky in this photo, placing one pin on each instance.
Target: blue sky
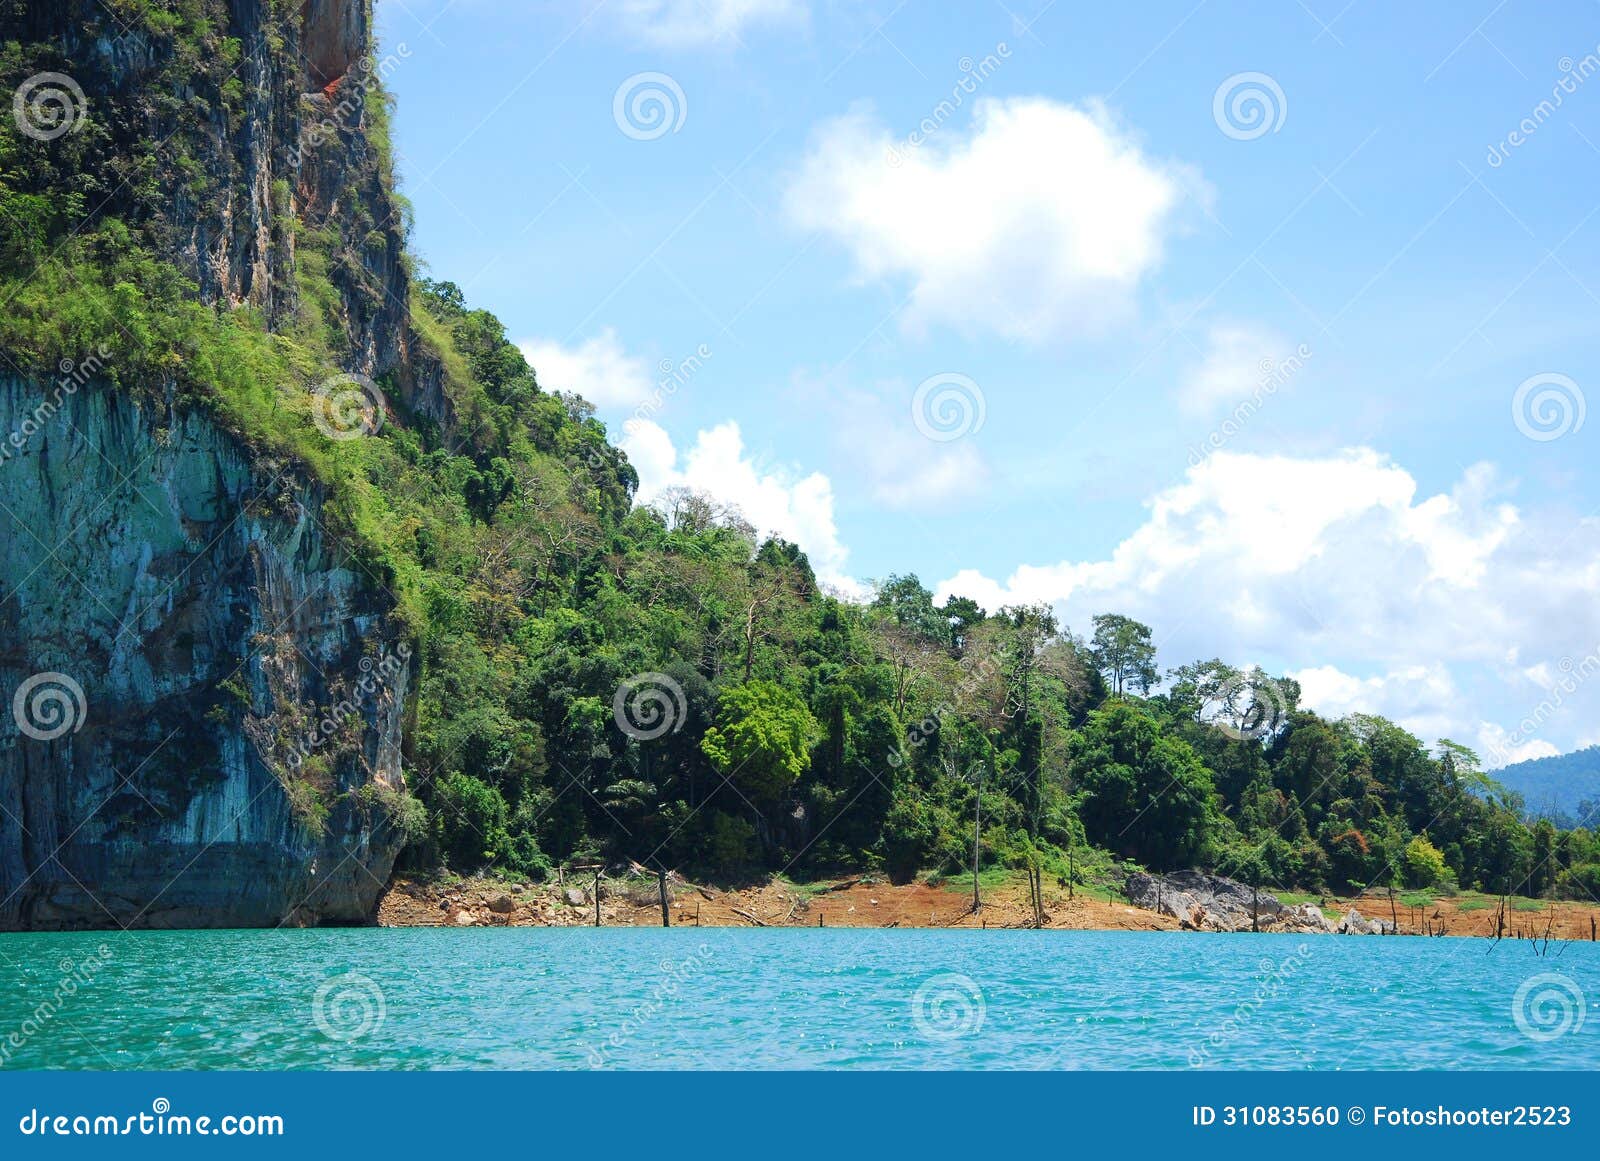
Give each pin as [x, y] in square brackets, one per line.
[1298, 378]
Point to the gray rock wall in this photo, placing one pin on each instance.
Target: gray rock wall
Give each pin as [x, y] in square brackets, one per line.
[193, 597]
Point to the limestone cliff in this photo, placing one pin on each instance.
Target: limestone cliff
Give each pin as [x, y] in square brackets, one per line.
[205, 690]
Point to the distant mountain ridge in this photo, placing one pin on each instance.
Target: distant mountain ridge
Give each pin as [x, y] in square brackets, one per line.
[1556, 785]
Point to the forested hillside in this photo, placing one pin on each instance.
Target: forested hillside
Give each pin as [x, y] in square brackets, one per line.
[663, 684]
[1563, 787]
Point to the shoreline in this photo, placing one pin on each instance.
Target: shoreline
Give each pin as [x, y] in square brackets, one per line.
[867, 904]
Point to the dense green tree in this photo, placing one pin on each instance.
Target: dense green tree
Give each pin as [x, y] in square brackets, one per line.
[761, 742]
[470, 823]
[1145, 794]
[1425, 864]
[1124, 651]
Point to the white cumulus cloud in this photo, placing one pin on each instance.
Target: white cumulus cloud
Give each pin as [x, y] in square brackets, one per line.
[1041, 220]
[794, 506]
[1422, 698]
[1376, 597]
[598, 369]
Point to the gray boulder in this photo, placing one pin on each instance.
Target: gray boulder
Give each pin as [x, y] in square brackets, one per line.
[1204, 902]
[1304, 919]
[1354, 923]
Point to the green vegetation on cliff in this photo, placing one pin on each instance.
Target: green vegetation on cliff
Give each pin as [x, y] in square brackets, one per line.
[660, 684]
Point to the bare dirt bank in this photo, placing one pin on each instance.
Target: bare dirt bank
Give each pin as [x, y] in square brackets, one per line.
[848, 903]
[635, 902]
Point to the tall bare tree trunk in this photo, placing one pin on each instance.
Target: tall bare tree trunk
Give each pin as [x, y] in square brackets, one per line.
[977, 830]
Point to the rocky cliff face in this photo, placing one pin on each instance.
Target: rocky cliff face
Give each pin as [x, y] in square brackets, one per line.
[174, 627]
[204, 697]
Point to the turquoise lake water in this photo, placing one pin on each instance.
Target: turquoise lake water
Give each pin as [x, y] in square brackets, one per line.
[740, 999]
